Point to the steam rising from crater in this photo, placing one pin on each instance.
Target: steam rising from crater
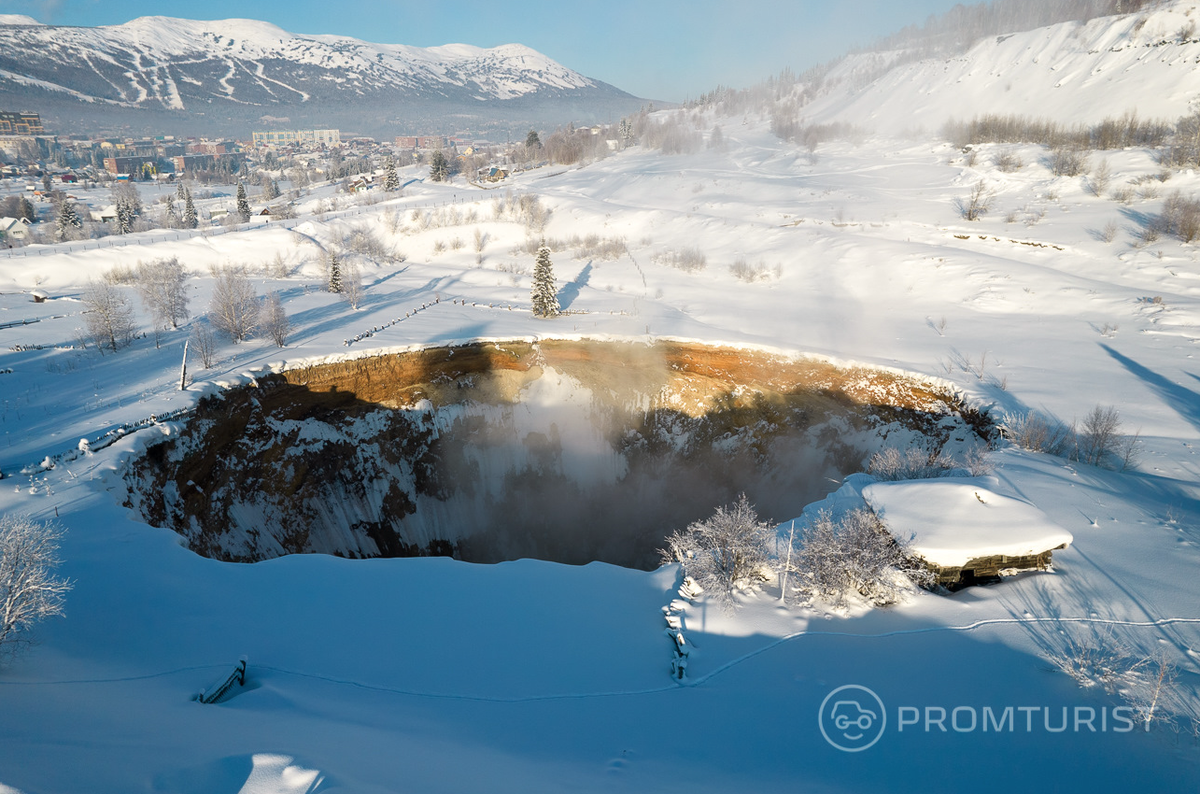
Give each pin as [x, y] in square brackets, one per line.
[566, 451]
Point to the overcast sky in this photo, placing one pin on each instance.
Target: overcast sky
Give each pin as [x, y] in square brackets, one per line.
[657, 49]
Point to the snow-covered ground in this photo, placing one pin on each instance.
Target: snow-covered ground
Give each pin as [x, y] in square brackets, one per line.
[436, 675]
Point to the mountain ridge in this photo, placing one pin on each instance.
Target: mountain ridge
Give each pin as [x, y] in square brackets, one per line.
[218, 73]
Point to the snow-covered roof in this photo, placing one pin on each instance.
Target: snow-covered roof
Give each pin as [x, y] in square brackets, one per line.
[955, 520]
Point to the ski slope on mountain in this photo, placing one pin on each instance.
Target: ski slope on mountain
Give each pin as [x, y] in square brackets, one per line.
[1073, 73]
[437, 675]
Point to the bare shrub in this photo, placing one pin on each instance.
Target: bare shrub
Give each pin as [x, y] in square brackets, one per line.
[593, 246]
[977, 203]
[363, 240]
[750, 273]
[29, 590]
[275, 320]
[1099, 435]
[724, 553]
[1009, 162]
[1109, 232]
[978, 462]
[1180, 217]
[856, 556]
[1037, 433]
[1068, 161]
[120, 274]
[1122, 195]
[1146, 683]
[689, 260]
[913, 463]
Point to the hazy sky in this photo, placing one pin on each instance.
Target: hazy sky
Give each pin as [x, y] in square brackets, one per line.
[657, 49]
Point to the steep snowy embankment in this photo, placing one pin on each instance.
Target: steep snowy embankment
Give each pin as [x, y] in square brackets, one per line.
[1073, 73]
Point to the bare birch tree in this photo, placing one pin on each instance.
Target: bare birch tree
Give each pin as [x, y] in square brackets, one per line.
[108, 315]
[235, 306]
[29, 590]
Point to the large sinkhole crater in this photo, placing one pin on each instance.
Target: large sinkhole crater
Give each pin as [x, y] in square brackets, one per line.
[571, 451]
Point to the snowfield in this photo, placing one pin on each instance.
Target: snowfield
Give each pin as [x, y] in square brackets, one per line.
[434, 675]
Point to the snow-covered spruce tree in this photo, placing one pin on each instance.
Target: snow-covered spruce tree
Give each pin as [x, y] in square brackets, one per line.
[172, 220]
[243, 205]
[543, 295]
[855, 555]
[128, 204]
[108, 315]
[67, 223]
[728, 551]
[439, 169]
[235, 305]
[190, 220]
[29, 591]
[391, 180]
[335, 274]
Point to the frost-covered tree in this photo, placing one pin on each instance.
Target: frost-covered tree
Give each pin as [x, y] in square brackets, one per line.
[439, 169]
[335, 274]
[625, 131]
[67, 223]
[391, 180]
[235, 305]
[855, 555]
[204, 342]
[725, 552]
[162, 285]
[352, 288]
[29, 590]
[275, 320]
[543, 294]
[270, 188]
[179, 190]
[243, 205]
[172, 220]
[108, 315]
[190, 220]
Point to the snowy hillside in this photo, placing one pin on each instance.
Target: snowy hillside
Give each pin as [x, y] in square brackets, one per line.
[246, 66]
[1071, 72]
[440, 675]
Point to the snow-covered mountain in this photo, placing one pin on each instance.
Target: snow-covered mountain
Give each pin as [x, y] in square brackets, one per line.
[1072, 72]
[239, 70]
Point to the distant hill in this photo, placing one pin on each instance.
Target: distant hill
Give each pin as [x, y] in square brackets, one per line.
[227, 77]
[1070, 72]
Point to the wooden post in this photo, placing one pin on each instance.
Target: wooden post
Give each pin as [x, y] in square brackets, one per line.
[183, 367]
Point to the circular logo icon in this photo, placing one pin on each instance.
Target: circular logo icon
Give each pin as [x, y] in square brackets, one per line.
[852, 718]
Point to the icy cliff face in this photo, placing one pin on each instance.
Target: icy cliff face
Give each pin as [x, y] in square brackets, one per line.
[538, 461]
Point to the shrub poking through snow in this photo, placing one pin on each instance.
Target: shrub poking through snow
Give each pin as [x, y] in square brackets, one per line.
[914, 463]
[724, 553]
[855, 556]
[1097, 440]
